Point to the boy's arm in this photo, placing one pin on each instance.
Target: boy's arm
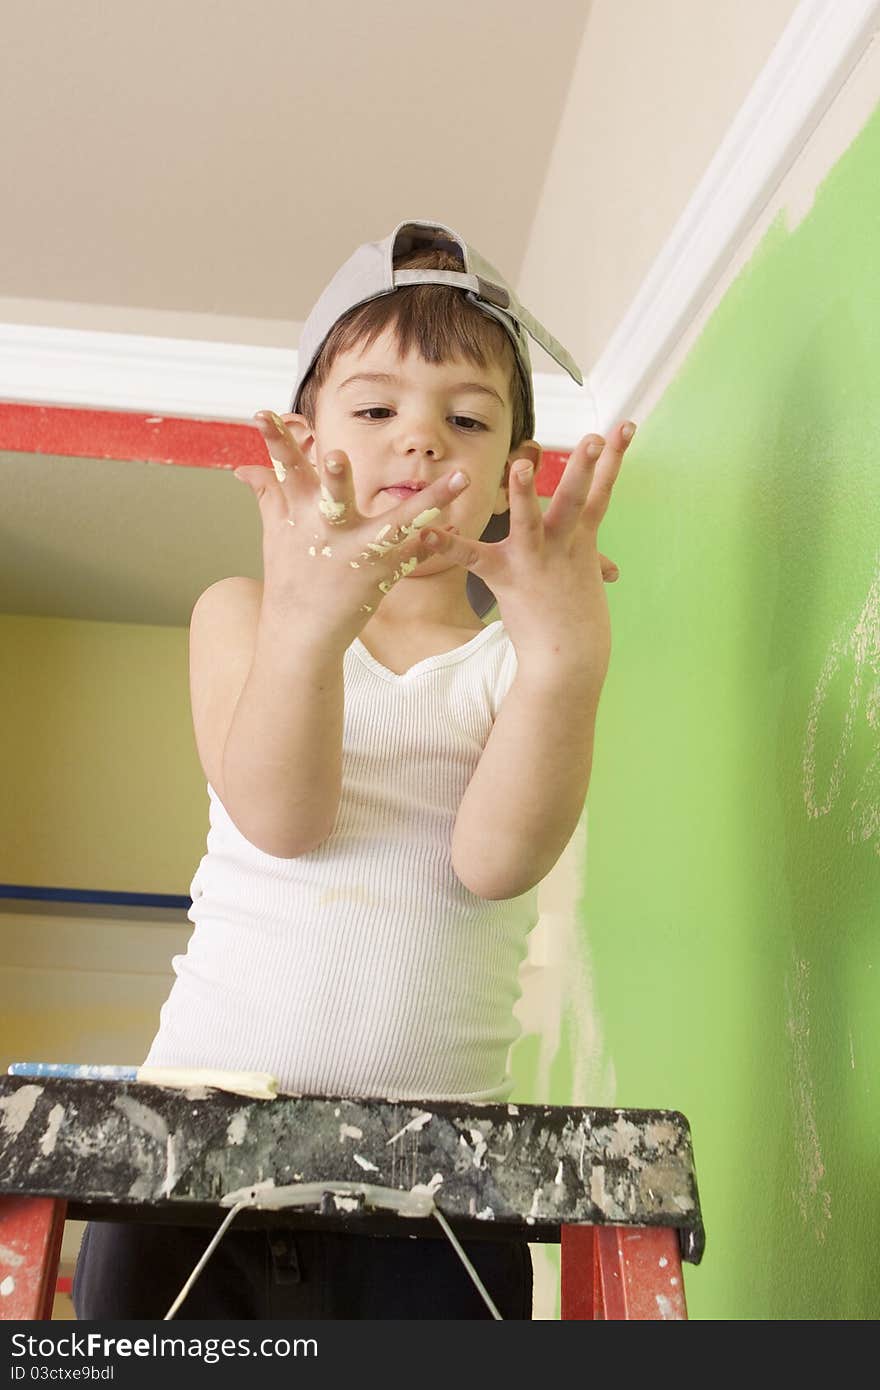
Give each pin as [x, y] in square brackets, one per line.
[282, 759]
[524, 800]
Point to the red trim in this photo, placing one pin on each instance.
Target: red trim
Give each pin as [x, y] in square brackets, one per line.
[64, 1284]
[128, 435]
[73, 432]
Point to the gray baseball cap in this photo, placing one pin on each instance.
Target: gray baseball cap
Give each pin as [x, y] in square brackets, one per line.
[370, 272]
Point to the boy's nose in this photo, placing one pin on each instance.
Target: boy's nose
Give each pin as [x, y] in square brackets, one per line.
[419, 442]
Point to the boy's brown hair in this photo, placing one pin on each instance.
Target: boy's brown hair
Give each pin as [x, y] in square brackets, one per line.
[437, 320]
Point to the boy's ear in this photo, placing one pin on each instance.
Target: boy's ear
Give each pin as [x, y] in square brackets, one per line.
[303, 434]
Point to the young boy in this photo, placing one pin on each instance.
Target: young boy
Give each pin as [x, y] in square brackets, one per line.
[389, 779]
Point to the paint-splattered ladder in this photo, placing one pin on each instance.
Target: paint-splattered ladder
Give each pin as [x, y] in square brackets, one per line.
[616, 1188]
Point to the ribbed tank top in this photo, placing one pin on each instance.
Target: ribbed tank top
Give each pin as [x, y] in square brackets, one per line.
[365, 967]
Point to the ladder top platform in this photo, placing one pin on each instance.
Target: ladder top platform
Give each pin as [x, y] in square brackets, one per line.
[127, 1151]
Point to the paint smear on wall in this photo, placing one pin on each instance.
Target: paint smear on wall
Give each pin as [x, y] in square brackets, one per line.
[859, 649]
[557, 1007]
[557, 1003]
[813, 1198]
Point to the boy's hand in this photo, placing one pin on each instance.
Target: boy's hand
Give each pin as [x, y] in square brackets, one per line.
[323, 561]
[547, 574]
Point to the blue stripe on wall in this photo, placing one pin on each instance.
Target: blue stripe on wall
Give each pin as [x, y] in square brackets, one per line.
[81, 902]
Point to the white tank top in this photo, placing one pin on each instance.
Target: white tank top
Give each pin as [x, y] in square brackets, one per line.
[364, 968]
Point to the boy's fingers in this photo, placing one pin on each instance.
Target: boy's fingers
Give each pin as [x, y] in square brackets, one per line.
[280, 488]
[610, 572]
[439, 537]
[337, 503]
[469, 554]
[287, 460]
[272, 497]
[526, 516]
[258, 478]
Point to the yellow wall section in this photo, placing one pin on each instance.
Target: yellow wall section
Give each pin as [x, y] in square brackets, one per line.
[104, 789]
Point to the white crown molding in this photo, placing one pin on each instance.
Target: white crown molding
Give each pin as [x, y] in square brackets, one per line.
[128, 371]
[198, 379]
[812, 59]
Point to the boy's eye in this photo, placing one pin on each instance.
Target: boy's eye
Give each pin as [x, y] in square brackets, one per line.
[468, 422]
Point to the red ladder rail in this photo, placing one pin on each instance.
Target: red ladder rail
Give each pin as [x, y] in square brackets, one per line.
[31, 1229]
[622, 1272]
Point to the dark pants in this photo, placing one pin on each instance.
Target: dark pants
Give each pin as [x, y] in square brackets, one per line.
[134, 1270]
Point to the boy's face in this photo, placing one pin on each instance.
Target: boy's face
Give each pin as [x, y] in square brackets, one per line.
[423, 425]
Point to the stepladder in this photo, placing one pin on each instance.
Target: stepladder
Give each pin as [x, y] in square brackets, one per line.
[616, 1188]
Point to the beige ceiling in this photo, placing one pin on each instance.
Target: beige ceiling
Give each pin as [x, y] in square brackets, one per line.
[224, 158]
[199, 169]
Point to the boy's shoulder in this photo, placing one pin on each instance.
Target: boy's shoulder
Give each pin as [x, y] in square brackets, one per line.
[228, 610]
[236, 581]
[235, 588]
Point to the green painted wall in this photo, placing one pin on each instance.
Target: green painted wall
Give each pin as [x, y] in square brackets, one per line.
[731, 886]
